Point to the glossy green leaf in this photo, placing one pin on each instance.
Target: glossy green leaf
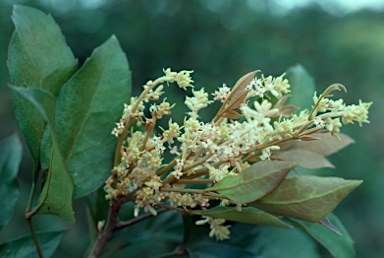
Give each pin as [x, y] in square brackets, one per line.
[212, 250]
[261, 178]
[340, 246]
[309, 198]
[10, 157]
[311, 154]
[273, 242]
[24, 247]
[246, 215]
[88, 107]
[38, 58]
[302, 87]
[56, 196]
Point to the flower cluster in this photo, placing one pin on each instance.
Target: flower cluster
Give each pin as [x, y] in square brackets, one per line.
[249, 127]
[218, 230]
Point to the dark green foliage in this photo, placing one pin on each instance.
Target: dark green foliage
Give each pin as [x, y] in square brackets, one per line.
[38, 58]
[24, 247]
[10, 157]
[89, 101]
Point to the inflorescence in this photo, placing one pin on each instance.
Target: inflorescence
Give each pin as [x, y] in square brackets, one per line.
[251, 124]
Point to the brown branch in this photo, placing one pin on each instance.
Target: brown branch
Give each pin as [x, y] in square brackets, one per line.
[133, 221]
[106, 234]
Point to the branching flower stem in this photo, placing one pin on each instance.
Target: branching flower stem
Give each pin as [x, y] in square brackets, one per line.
[124, 224]
[172, 179]
[129, 120]
[167, 167]
[194, 181]
[171, 165]
[328, 90]
[197, 191]
[182, 211]
[148, 134]
[184, 190]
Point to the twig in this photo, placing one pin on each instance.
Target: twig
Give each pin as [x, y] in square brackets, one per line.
[34, 237]
[131, 222]
[106, 234]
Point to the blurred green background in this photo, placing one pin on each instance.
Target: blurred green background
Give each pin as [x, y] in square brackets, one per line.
[221, 40]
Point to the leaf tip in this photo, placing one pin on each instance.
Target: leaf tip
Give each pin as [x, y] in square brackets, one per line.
[325, 222]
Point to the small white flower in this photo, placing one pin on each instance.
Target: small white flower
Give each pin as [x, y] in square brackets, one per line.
[222, 93]
[318, 122]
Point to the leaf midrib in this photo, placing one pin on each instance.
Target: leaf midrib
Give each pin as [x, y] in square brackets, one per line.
[90, 104]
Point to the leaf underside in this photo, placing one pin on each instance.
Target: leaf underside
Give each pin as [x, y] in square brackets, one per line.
[248, 215]
[311, 154]
[261, 178]
[308, 198]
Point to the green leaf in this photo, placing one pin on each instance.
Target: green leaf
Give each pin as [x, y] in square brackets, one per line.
[45, 149]
[162, 233]
[302, 87]
[309, 198]
[24, 247]
[213, 250]
[246, 215]
[56, 196]
[10, 157]
[88, 107]
[38, 58]
[339, 246]
[306, 158]
[273, 242]
[311, 154]
[38, 54]
[261, 178]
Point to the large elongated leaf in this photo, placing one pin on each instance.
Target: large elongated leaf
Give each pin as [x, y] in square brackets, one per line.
[38, 54]
[309, 198]
[261, 178]
[302, 87]
[87, 109]
[38, 58]
[273, 242]
[311, 154]
[56, 196]
[24, 247]
[246, 215]
[10, 157]
[338, 245]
